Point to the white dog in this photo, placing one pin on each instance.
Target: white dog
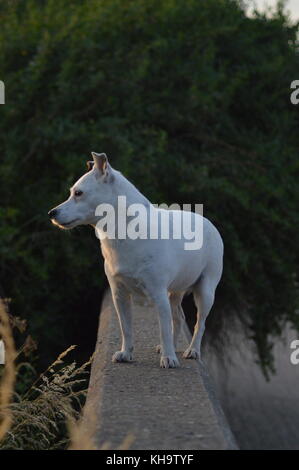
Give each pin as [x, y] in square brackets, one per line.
[162, 269]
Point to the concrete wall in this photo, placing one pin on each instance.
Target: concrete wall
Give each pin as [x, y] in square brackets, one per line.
[170, 409]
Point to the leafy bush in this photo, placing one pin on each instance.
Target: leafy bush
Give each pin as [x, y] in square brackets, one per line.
[191, 101]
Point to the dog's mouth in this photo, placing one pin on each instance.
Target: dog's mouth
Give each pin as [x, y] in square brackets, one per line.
[66, 224]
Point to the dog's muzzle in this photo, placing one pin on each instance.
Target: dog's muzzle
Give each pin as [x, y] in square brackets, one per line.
[52, 213]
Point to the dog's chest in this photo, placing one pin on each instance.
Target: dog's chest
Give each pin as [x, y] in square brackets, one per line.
[133, 282]
[127, 267]
[136, 286]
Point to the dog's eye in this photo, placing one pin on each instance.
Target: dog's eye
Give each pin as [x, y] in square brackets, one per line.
[78, 193]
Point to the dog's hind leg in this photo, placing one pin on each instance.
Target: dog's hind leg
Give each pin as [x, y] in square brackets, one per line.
[204, 294]
[161, 302]
[178, 318]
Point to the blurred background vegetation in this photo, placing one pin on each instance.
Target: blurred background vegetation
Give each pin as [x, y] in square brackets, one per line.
[191, 101]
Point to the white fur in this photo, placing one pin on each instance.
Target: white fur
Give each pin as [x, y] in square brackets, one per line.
[162, 270]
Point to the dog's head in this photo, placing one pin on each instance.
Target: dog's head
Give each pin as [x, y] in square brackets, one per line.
[92, 189]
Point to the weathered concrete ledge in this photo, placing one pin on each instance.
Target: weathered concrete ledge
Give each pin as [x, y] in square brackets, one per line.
[171, 409]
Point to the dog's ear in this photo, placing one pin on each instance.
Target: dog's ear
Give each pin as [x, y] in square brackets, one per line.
[89, 165]
[100, 162]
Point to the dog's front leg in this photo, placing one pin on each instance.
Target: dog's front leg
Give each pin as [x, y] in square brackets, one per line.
[122, 303]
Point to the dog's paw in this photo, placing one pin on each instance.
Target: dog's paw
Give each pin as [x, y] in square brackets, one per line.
[191, 353]
[169, 362]
[122, 356]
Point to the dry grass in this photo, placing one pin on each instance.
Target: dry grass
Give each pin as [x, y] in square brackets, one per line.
[48, 415]
[9, 374]
[81, 436]
[37, 420]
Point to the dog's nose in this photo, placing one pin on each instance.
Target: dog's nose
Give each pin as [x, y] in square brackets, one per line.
[52, 213]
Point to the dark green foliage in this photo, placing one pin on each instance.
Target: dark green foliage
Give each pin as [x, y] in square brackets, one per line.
[191, 100]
